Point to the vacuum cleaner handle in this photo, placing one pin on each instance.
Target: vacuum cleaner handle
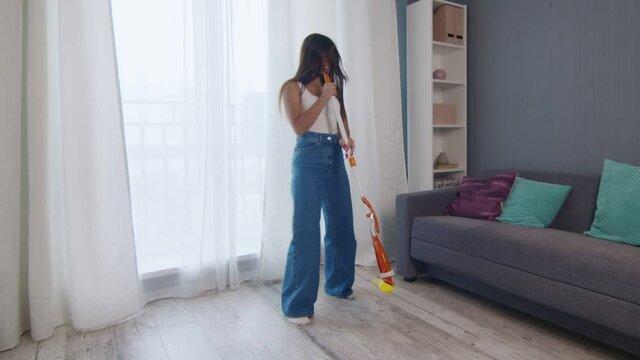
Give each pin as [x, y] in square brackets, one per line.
[385, 280]
[334, 108]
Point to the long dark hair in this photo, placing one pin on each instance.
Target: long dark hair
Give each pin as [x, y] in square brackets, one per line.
[314, 48]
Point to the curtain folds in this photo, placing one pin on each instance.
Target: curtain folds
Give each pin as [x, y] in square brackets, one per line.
[75, 254]
[194, 96]
[12, 264]
[170, 131]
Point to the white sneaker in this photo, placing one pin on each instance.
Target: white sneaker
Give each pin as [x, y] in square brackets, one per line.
[304, 320]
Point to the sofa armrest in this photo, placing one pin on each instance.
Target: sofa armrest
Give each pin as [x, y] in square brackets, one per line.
[408, 207]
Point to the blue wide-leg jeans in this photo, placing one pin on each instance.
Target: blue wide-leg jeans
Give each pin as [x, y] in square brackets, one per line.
[319, 184]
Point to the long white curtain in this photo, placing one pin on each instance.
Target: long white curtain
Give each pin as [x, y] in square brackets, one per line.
[365, 33]
[70, 255]
[11, 249]
[209, 151]
[194, 92]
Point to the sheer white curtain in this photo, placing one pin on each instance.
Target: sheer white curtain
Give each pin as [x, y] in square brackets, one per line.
[365, 33]
[12, 254]
[209, 151]
[70, 253]
[194, 92]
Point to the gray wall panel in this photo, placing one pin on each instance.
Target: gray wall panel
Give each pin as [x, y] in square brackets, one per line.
[553, 85]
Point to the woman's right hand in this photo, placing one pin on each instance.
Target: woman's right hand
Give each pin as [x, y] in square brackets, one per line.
[328, 90]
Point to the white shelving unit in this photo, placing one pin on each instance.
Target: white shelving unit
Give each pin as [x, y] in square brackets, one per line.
[425, 139]
[447, 171]
[446, 46]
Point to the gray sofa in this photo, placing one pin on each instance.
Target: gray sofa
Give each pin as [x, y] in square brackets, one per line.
[588, 285]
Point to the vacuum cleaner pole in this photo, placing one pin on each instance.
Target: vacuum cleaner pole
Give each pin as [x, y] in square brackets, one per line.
[385, 281]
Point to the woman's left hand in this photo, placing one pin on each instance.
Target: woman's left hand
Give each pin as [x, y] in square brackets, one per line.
[349, 149]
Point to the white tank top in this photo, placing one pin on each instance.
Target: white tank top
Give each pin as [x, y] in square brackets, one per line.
[323, 123]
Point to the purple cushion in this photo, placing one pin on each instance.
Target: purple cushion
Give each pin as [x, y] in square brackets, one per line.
[481, 198]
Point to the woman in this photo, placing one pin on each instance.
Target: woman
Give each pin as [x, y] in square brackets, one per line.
[319, 182]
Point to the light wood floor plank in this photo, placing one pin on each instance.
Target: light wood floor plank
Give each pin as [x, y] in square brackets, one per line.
[26, 349]
[55, 347]
[90, 345]
[361, 324]
[419, 310]
[219, 320]
[181, 334]
[246, 350]
[515, 329]
[333, 339]
[426, 319]
[281, 338]
[139, 339]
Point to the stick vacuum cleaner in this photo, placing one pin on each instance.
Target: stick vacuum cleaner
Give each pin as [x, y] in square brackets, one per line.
[385, 277]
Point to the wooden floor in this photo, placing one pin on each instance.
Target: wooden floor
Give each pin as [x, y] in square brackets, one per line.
[421, 320]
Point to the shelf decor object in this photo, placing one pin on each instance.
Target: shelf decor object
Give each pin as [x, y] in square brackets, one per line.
[448, 24]
[444, 114]
[440, 74]
[442, 162]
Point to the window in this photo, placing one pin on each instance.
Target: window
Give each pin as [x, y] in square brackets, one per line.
[192, 77]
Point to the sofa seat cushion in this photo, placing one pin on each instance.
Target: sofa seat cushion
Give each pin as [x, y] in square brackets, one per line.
[602, 266]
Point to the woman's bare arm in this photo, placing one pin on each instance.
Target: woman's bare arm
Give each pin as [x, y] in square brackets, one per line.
[345, 121]
[352, 146]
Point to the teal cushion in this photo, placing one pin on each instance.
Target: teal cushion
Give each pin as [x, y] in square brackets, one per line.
[532, 203]
[618, 208]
